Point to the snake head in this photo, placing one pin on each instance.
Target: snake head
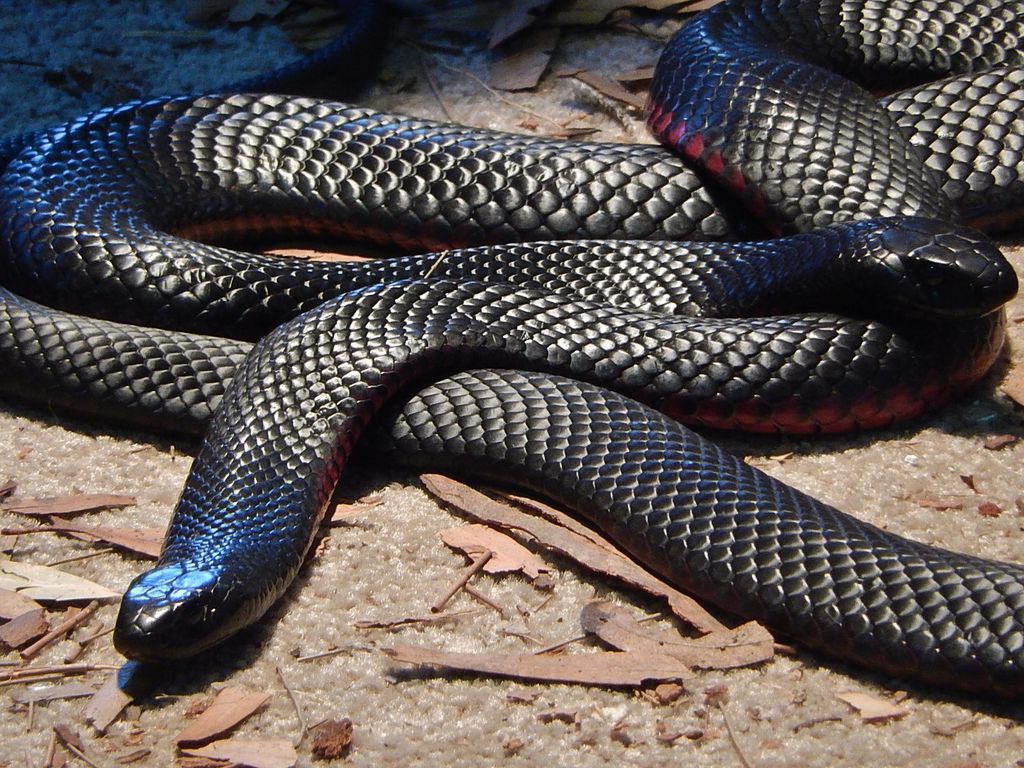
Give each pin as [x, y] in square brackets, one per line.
[175, 611]
[926, 266]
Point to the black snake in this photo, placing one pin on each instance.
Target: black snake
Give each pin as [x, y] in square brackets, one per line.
[85, 208]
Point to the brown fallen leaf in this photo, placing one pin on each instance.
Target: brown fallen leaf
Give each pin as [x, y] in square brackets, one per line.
[998, 442]
[943, 505]
[106, 704]
[522, 62]
[613, 89]
[1013, 384]
[332, 739]
[228, 710]
[343, 512]
[140, 541]
[24, 629]
[518, 15]
[130, 758]
[69, 505]
[667, 693]
[50, 585]
[434, 618]
[968, 480]
[610, 668]
[12, 604]
[989, 509]
[507, 554]
[591, 12]
[203, 10]
[748, 644]
[53, 693]
[247, 10]
[569, 538]
[314, 254]
[871, 708]
[264, 753]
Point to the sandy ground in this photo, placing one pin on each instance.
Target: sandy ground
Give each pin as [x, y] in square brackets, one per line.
[389, 563]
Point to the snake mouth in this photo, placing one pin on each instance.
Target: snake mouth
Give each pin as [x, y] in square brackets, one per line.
[176, 611]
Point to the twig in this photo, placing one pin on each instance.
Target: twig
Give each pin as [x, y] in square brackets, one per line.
[434, 89]
[478, 595]
[732, 737]
[437, 263]
[323, 654]
[504, 99]
[76, 558]
[80, 755]
[472, 570]
[85, 641]
[51, 748]
[55, 669]
[298, 710]
[61, 629]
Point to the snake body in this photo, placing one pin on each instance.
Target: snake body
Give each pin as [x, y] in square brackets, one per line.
[85, 209]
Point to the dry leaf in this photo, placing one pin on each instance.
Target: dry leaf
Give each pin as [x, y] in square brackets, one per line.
[332, 738]
[519, 15]
[140, 541]
[523, 61]
[53, 692]
[134, 756]
[204, 10]
[567, 716]
[943, 505]
[265, 753]
[968, 480]
[590, 12]
[507, 554]
[571, 539]
[1013, 384]
[106, 704]
[611, 88]
[989, 509]
[522, 697]
[12, 604]
[69, 505]
[24, 629]
[247, 10]
[998, 442]
[228, 710]
[608, 668]
[870, 708]
[666, 693]
[748, 644]
[49, 585]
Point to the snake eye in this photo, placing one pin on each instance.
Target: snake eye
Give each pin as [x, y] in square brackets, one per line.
[931, 274]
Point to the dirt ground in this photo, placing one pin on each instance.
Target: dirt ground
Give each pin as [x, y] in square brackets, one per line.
[61, 58]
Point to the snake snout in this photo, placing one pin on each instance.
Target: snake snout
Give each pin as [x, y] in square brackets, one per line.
[951, 271]
[172, 612]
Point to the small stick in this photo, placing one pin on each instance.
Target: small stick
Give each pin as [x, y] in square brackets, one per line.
[61, 629]
[437, 262]
[473, 569]
[56, 669]
[478, 595]
[434, 89]
[298, 710]
[732, 738]
[76, 558]
[80, 755]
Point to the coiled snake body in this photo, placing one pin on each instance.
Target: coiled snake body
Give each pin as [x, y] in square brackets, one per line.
[86, 207]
